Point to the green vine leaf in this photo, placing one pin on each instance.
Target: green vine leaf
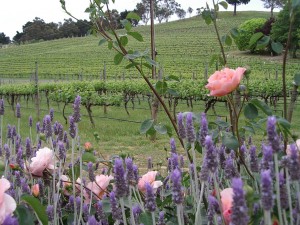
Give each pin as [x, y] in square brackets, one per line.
[133, 16]
[136, 36]
[146, 125]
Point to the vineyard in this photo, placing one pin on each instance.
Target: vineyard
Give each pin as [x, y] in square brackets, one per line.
[187, 55]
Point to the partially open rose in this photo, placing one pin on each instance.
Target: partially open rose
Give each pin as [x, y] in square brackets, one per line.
[98, 187]
[225, 81]
[44, 159]
[149, 178]
[226, 199]
[7, 203]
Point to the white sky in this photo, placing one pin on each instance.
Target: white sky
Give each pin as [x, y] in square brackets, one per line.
[15, 13]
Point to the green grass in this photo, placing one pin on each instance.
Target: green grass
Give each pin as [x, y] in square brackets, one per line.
[117, 136]
[184, 47]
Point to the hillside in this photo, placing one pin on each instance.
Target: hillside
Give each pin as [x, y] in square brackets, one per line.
[184, 47]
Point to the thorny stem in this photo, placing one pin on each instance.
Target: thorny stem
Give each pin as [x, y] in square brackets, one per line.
[236, 127]
[218, 35]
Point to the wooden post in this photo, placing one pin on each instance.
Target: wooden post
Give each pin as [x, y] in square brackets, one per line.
[37, 95]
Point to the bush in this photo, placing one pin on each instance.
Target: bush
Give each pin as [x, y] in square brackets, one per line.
[246, 30]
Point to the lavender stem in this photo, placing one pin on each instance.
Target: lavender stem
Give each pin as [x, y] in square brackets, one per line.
[198, 211]
[288, 186]
[179, 214]
[153, 217]
[195, 169]
[278, 189]
[123, 210]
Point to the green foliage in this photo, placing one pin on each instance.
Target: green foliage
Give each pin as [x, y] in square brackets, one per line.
[281, 26]
[246, 30]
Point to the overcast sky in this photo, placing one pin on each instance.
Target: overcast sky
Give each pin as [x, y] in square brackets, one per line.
[15, 13]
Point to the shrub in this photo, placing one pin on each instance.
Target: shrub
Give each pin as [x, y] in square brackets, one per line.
[246, 30]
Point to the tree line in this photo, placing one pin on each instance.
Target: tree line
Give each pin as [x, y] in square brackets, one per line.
[38, 29]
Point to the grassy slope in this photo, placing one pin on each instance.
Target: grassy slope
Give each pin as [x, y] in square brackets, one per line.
[183, 47]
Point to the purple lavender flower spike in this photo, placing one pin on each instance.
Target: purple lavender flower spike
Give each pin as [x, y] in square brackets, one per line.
[136, 209]
[203, 129]
[204, 173]
[78, 202]
[150, 203]
[91, 171]
[7, 151]
[61, 150]
[55, 128]
[211, 157]
[294, 165]
[65, 137]
[161, 218]
[230, 170]
[267, 159]
[239, 208]
[177, 194]
[28, 148]
[150, 164]
[243, 152]
[136, 173]
[13, 131]
[283, 192]
[173, 145]
[9, 220]
[92, 221]
[266, 190]
[253, 159]
[18, 110]
[181, 161]
[100, 214]
[48, 127]
[50, 212]
[19, 158]
[38, 128]
[18, 178]
[181, 128]
[24, 186]
[129, 171]
[51, 114]
[174, 161]
[284, 162]
[76, 109]
[213, 208]
[121, 186]
[72, 127]
[70, 204]
[273, 138]
[8, 132]
[60, 132]
[222, 158]
[115, 209]
[2, 107]
[41, 187]
[85, 212]
[190, 131]
[30, 121]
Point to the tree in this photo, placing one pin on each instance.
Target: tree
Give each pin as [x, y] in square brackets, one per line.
[166, 8]
[69, 29]
[272, 4]
[17, 37]
[4, 39]
[280, 29]
[190, 10]
[237, 2]
[143, 10]
[181, 13]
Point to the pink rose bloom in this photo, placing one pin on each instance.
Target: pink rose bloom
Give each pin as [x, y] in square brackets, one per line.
[98, 187]
[7, 203]
[35, 190]
[149, 178]
[44, 159]
[288, 148]
[226, 199]
[66, 184]
[225, 81]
